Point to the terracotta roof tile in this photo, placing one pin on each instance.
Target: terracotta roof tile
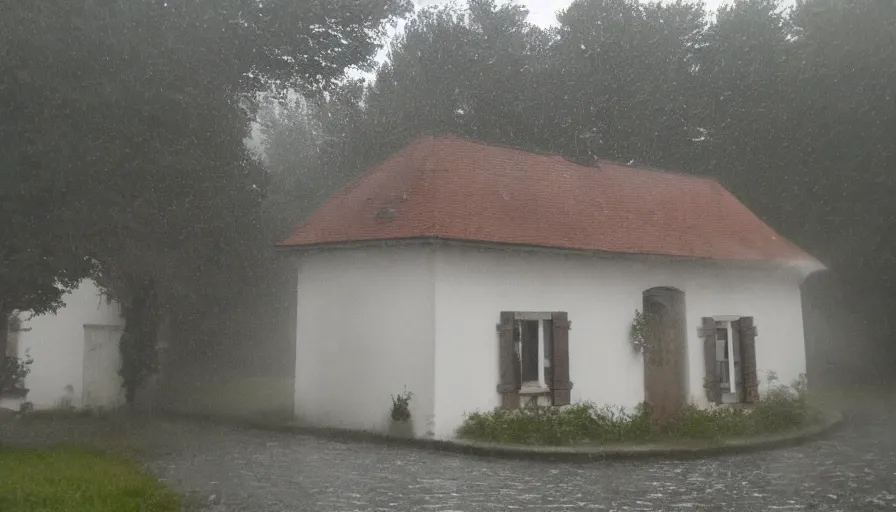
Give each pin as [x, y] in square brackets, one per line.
[451, 188]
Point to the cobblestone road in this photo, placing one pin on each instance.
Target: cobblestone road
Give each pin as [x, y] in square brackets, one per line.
[230, 469]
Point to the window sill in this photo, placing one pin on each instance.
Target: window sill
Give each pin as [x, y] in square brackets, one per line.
[730, 398]
[534, 390]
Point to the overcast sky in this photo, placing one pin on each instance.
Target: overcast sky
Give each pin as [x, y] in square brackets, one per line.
[541, 12]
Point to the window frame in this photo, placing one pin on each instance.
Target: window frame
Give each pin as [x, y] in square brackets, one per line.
[545, 320]
[728, 350]
[732, 393]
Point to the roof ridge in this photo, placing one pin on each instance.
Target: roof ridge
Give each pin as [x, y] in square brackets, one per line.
[598, 160]
[661, 170]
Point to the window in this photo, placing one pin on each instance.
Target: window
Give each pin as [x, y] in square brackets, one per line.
[533, 351]
[724, 360]
[532, 338]
[730, 357]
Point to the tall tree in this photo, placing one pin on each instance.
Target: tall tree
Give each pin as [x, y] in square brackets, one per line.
[743, 83]
[124, 125]
[468, 71]
[792, 109]
[623, 80]
[845, 85]
[291, 133]
[844, 132]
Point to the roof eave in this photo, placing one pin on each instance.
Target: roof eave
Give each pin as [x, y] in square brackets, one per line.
[803, 267]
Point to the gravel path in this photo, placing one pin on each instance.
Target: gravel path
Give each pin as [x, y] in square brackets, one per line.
[231, 469]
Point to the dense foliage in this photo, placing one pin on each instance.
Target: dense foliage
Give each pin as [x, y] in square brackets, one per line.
[13, 371]
[781, 409]
[122, 129]
[790, 108]
[122, 154]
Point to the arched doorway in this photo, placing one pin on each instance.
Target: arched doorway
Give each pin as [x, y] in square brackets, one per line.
[665, 359]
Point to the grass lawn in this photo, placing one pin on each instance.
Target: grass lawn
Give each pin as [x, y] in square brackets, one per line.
[73, 479]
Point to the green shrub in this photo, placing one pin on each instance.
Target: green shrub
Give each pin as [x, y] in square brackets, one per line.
[784, 408]
[578, 423]
[708, 424]
[781, 408]
[13, 371]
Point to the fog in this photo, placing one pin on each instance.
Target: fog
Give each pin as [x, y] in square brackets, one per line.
[150, 187]
[789, 106]
[164, 149]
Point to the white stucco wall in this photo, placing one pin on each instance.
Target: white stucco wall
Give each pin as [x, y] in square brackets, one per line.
[364, 332]
[474, 285]
[56, 343]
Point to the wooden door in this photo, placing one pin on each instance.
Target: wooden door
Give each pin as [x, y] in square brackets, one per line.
[665, 360]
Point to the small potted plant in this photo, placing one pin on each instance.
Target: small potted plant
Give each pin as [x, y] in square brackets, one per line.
[400, 414]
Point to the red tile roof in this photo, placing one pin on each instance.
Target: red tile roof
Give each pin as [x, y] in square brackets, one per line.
[456, 189]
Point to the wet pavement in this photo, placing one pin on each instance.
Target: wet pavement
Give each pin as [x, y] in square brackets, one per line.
[231, 469]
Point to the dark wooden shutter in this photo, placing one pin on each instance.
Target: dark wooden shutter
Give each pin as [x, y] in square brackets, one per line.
[738, 377]
[561, 385]
[549, 352]
[509, 367]
[747, 330]
[712, 380]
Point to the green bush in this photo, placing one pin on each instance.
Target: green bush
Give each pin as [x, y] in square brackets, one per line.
[781, 409]
[578, 423]
[13, 371]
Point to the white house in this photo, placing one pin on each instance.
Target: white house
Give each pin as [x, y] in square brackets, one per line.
[478, 276]
[74, 351]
